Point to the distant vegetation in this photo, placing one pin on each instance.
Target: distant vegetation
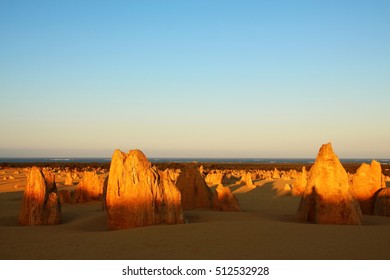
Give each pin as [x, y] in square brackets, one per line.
[349, 167]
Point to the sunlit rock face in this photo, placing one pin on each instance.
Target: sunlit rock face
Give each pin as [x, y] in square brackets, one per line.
[246, 178]
[40, 205]
[89, 188]
[276, 174]
[328, 198]
[214, 177]
[300, 183]
[173, 174]
[382, 202]
[367, 180]
[224, 200]
[50, 180]
[139, 195]
[194, 191]
[68, 180]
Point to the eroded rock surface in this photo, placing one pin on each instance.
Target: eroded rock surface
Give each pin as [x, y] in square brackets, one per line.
[138, 194]
[328, 198]
[40, 205]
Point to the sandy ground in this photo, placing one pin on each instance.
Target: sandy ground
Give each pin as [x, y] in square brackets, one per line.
[265, 229]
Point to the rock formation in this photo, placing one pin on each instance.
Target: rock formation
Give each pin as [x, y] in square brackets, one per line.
[194, 191]
[224, 200]
[367, 180]
[40, 204]
[228, 178]
[328, 198]
[214, 177]
[247, 179]
[382, 202]
[287, 188]
[173, 174]
[68, 180]
[168, 201]
[300, 183]
[89, 188]
[294, 173]
[138, 194]
[50, 180]
[201, 170]
[52, 210]
[276, 174]
[65, 196]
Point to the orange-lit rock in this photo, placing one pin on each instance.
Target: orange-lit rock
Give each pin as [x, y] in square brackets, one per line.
[224, 200]
[214, 177]
[194, 191]
[246, 178]
[367, 180]
[382, 202]
[168, 200]
[328, 198]
[40, 205]
[138, 194]
[68, 180]
[50, 180]
[276, 174]
[300, 183]
[173, 174]
[89, 188]
[201, 170]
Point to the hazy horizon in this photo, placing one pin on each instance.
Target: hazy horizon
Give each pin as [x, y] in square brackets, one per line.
[255, 79]
[22, 153]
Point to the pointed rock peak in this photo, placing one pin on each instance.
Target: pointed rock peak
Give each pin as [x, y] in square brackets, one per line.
[327, 198]
[117, 153]
[326, 152]
[375, 162]
[376, 165]
[363, 167]
[118, 157]
[374, 169]
[138, 159]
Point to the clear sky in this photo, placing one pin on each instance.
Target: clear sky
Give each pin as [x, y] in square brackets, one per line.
[195, 78]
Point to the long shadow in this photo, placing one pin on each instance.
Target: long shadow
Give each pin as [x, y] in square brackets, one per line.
[10, 203]
[87, 216]
[269, 204]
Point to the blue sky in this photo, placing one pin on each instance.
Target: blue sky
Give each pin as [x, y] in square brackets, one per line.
[194, 78]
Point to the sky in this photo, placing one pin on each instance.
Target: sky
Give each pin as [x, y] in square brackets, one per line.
[194, 78]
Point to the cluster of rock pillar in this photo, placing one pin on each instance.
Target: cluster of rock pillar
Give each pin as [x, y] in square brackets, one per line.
[136, 194]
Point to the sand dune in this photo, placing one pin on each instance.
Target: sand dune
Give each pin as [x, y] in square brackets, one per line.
[266, 228]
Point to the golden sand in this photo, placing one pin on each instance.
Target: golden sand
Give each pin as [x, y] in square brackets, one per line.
[266, 228]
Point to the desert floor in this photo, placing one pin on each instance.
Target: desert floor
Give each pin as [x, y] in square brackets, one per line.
[265, 229]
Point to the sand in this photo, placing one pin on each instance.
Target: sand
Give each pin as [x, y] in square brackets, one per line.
[265, 229]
